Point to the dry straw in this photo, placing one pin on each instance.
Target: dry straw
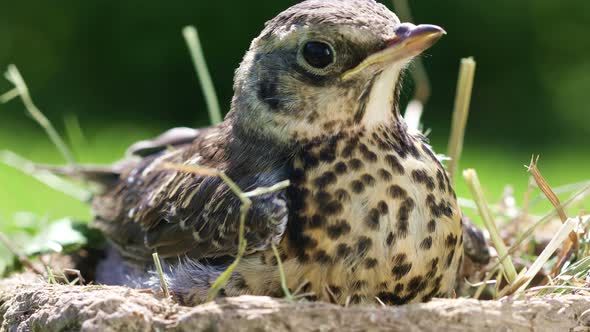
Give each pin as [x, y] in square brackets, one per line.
[472, 180]
[460, 114]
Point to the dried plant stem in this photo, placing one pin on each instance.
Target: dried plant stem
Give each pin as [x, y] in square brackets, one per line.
[161, 275]
[79, 278]
[460, 114]
[523, 281]
[484, 282]
[548, 217]
[14, 76]
[473, 182]
[552, 197]
[244, 208]
[191, 37]
[546, 189]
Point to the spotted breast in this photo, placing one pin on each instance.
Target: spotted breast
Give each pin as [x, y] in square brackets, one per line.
[372, 215]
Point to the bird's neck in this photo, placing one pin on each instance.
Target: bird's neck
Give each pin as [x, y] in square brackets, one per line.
[250, 147]
[381, 104]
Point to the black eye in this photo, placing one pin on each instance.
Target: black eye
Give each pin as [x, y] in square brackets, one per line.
[318, 55]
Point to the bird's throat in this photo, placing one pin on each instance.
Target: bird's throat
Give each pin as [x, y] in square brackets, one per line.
[381, 108]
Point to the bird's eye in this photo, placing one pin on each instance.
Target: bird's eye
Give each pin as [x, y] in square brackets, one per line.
[318, 54]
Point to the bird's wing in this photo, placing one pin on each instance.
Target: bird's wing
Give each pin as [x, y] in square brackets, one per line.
[154, 207]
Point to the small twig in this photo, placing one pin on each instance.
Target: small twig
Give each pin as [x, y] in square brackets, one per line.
[548, 217]
[301, 287]
[484, 283]
[552, 197]
[473, 182]
[499, 276]
[303, 296]
[23, 259]
[331, 294]
[78, 274]
[284, 286]
[460, 114]
[380, 302]
[14, 76]
[161, 275]
[191, 37]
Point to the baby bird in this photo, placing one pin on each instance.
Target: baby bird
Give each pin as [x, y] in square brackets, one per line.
[370, 211]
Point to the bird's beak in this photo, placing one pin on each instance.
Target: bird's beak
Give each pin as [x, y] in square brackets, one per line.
[410, 40]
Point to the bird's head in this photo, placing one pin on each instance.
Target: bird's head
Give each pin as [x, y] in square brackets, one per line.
[326, 66]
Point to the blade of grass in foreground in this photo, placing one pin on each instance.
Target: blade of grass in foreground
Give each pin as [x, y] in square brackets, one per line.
[14, 76]
[191, 37]
[473, 182]
[460, 114]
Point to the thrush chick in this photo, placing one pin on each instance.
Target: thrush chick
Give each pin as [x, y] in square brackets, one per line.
[370, 212]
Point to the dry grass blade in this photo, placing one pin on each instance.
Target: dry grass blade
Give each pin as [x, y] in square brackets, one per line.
[14, 76]
[191, 37]
[546, 189]
[552, 197]
[460, 114]
[546, 218]
[473, 182]
[484, 282]
[161, 275]
[79, 278]
[522, 282]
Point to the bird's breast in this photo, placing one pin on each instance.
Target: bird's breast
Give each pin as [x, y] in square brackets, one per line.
[372, 215]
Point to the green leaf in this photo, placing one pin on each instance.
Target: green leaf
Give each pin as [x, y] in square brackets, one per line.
[60, 236]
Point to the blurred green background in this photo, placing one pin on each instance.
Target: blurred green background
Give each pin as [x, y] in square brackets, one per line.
[122, 70]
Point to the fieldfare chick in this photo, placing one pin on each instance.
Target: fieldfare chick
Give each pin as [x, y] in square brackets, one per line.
[370, 212]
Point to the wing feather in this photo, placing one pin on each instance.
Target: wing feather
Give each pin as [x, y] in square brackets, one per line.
[155, 208]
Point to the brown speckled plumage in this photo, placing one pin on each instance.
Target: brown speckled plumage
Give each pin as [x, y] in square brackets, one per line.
[370, 212]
